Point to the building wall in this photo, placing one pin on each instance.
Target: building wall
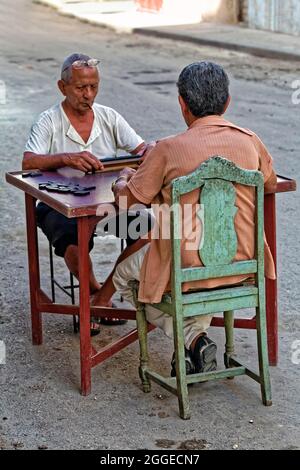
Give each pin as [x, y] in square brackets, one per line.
[150, 5]
[223, 11]
[244, 11]
[275, 15]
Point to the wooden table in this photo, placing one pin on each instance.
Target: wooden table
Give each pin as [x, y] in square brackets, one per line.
[82, 208]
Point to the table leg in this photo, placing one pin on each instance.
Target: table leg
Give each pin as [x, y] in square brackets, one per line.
[271, 285]
[84, 305]
[34, 269]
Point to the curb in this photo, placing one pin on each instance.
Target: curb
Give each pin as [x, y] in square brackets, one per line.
[256, 51]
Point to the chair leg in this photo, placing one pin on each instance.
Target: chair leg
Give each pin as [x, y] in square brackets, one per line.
[262, 345]
[182, 389]
[142, 334]
[229, 334]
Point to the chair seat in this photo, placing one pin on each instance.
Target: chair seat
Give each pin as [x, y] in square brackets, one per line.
[211, 301]
[213, 294]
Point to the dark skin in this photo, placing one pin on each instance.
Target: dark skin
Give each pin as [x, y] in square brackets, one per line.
[79, 95]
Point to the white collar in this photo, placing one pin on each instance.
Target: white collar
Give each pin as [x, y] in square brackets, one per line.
[73, 134]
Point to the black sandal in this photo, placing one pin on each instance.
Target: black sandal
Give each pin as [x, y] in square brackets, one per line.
[95, 326]
[112, 321]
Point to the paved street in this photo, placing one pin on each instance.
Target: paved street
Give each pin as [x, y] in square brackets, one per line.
[39, 386]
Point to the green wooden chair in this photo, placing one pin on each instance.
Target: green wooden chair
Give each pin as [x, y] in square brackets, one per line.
[216, 178]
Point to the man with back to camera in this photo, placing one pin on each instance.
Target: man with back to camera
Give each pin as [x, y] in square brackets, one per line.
[74, 134]
[203, 89]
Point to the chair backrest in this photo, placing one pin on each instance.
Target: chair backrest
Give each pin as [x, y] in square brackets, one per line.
[215, 178]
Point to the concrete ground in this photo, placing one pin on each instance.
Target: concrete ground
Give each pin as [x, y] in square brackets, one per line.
[41, 406]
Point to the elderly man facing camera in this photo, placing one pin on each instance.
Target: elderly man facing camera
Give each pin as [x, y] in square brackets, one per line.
[74, 134]
[203, 98]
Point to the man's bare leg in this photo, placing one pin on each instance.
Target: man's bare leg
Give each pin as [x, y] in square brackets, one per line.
[71, 260]
[104, 295]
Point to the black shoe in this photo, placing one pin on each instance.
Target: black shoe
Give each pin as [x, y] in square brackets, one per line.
[204, 355]
[189, 366]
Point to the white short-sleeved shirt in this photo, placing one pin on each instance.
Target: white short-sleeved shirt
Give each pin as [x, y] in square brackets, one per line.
[53, 133]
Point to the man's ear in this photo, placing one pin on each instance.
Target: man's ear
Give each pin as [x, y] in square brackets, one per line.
[183, 105]
[186, 113]
[227, 104]
[62, 86]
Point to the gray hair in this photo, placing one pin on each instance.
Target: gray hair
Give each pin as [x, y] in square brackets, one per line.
[66, 69]
[204, 87]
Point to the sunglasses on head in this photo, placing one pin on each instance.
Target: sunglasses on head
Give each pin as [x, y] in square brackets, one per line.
[78, 64]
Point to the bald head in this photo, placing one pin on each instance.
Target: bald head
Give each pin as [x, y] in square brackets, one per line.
[76, 60]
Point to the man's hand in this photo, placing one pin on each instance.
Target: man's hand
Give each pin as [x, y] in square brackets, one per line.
[127, 172]
[143, 149]
[150, 146]
[84, 161]
[121, 183]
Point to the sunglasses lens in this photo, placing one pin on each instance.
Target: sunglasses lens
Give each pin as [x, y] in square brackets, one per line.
[93, 62]
[78, 64]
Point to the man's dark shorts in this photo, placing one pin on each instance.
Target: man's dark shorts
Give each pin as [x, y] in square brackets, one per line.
[62, 232]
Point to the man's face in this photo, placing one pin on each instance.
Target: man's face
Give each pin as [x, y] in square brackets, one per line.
[81, 90]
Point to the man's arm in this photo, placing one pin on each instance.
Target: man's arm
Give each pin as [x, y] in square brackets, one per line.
[143, 149]
[42, 162]
[126, 137]
[140, 149]
[271, 183]
[141, 186]
[84, 161]
[37, 151]
[123, 196]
